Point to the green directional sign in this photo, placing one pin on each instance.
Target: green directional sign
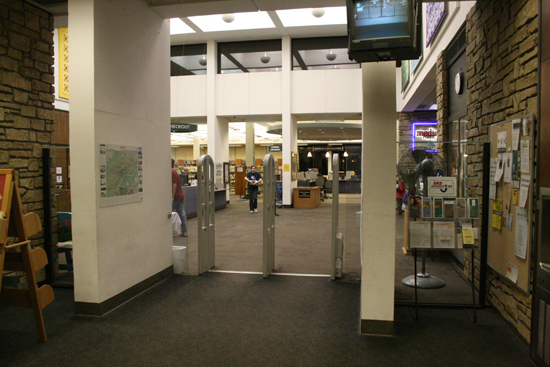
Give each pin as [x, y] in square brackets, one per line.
[182, 128]
[275, 148]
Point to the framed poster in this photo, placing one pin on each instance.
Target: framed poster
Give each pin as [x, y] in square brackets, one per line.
[294, 162]
[405, 74]
[435, 12]
[225, 172]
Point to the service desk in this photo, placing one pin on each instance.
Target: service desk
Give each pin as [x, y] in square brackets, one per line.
[307, 197]
[350, 186]
[190, 203]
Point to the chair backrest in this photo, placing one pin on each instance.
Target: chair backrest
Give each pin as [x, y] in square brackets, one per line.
[64, 227]
[320, 181]
[328, 184]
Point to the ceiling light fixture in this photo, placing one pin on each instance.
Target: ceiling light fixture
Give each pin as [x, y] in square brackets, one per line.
[203, 60]
[346, 154]
[327, 155]
[317, 12]
[228, 18]
[331, 56]
[309, 155]
[265, 59]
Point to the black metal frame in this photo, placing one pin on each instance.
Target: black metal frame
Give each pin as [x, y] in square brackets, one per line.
[483, 260]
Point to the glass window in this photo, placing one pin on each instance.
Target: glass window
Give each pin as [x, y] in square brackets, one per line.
[188, 59]
[321, 53]
[457, 153]
[250, 56]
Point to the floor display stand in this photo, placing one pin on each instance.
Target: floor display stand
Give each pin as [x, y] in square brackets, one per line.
[14, 224]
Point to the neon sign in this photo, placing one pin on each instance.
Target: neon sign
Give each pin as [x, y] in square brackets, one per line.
[424, 136]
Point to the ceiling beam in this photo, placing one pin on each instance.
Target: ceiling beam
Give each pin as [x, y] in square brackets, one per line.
[234, 61]
[298, 57]
[176, 70]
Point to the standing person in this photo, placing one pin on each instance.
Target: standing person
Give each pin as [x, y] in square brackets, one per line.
[177, 199]
[254, 179]
[399, 193]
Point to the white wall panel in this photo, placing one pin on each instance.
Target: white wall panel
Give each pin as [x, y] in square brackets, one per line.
[188, 96]
[307, 90]
[343, 90]
[265, 93]
[232, 94]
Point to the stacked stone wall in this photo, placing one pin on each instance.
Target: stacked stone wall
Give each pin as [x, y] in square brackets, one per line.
[26, 98]
[502, 37]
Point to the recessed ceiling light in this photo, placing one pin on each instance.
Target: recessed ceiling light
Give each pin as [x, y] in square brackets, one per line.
[304, 17]
[177, 26]
[215, 23]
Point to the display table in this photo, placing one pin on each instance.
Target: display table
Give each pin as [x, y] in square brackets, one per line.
[307, 197]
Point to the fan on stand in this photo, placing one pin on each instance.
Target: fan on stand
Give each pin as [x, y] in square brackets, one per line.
[413, 169]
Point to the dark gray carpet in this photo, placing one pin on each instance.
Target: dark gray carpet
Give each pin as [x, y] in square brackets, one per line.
[244, 320]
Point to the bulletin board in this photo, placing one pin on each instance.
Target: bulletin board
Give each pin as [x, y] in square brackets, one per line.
[509, 249]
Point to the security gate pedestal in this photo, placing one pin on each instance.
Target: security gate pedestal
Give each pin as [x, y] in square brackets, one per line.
[337, 238]
[269, 215]
[206, 208]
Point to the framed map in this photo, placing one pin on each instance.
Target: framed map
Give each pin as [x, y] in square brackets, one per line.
[120, 175]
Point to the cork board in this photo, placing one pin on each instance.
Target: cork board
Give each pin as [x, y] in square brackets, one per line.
[501, 246]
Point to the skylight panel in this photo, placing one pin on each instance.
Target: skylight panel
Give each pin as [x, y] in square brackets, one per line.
[242, 21]
[177, 26]
[304, 17]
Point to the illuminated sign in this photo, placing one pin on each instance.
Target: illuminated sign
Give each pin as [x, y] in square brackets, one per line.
[424, 136]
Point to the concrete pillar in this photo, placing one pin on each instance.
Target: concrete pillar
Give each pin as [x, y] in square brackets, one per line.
[123, 103]
[290, 133]
[196, 148]
[218, 127]
[378, 199]
[250, 144]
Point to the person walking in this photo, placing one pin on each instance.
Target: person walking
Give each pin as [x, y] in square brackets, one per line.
[177, 199]
[254, 179]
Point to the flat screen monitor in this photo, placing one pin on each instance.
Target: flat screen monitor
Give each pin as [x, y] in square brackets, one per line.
[383, 30]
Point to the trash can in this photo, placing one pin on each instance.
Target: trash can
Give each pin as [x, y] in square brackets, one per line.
[180, 259]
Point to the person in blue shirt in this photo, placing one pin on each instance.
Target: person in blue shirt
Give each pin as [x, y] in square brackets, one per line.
[254, 179]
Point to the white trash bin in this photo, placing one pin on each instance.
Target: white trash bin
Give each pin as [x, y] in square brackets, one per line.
[180, 259]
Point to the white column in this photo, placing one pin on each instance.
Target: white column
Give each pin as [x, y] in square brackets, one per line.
[290, 137]
[378, 199]
[250, 144]
[117, 102]
[218, 127]
[196, 148]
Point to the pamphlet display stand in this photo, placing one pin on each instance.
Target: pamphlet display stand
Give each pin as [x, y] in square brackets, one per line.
[14, 224]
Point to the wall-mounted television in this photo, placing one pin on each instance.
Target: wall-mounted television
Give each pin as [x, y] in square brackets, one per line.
[384, 30]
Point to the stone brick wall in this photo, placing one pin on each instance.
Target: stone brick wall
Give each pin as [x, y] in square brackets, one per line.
[502, 63]
[26, 98]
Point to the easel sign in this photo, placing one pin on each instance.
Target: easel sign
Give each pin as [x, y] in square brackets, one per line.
[5, 182]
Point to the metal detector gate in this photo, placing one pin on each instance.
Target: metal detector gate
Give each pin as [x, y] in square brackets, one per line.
[269, 215]
[206, 207]
[337, 238]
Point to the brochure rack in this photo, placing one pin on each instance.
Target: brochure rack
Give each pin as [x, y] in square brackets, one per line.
[14, 224]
